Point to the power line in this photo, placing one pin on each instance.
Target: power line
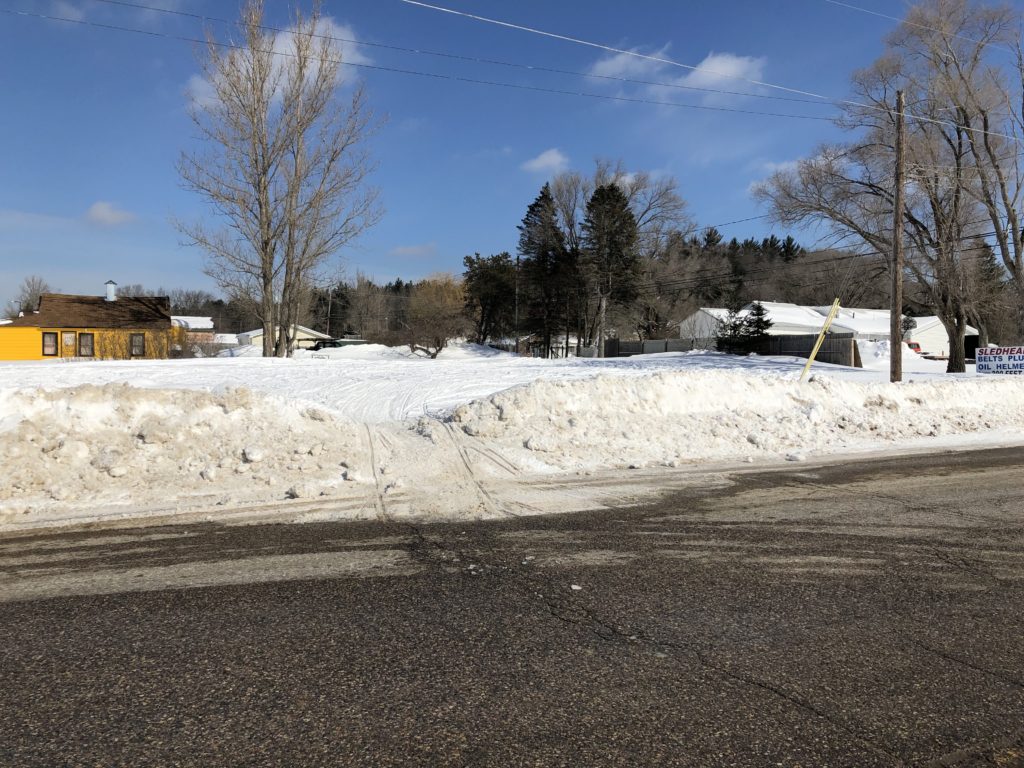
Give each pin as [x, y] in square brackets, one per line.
[692, 68]
[698, 279]
[419, 73]
[471, 59]
[918, 25]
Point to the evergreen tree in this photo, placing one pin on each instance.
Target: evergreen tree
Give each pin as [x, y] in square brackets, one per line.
[490, 284]
[790, 249]
[730, 335]
[756, 323]
[542, 273]
[610, 253]
[742, 335]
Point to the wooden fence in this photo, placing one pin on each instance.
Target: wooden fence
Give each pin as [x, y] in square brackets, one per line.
[837, 348]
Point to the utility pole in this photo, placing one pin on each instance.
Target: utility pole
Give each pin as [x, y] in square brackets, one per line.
[896, 303]
[515, 322]
[330, 294]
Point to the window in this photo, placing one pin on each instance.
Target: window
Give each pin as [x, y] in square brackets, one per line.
[85, 345]
[50, 344]
[138, 344]
[68, 343]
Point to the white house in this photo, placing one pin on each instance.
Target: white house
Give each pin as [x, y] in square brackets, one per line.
[930, 333]
[303, 337]
[787, 320]
[793, 319]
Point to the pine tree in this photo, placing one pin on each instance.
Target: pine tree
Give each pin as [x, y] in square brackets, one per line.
[542, 246]
[610, 253]
[730, 334]
[756, 323]
[489, 283]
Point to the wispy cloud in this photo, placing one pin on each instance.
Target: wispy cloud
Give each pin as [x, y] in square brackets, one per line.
[17, 220]
[549, 161]
[420, 251]
[200, 92]
[67, 10]
[342, 38]
[722, 71]
[79, 10]
[108, 215]
[627, 65]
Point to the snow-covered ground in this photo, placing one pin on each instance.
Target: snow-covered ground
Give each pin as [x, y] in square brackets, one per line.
[371, 431]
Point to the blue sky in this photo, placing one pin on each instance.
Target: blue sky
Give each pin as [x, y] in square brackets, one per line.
[94, 120]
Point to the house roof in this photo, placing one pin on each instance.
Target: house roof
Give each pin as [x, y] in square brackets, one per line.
[309, 331]
[60, 310]
[925, 323]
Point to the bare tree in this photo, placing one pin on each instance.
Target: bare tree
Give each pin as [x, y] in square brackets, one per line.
[27, 298]
[435, 314]
[368, 308]
[285, 171]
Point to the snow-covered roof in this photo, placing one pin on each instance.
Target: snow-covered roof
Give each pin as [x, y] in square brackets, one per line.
[192, 322]
[926, 322]
[863, 322]
[309, 332]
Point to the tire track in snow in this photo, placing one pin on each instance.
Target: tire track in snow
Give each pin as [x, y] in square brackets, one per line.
[467, 465]
[499, 460]
[382, 512]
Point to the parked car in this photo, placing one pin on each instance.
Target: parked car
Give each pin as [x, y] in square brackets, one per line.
[914, 346]
[327, 344]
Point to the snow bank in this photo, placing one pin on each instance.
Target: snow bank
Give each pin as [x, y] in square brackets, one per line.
[395, 435]
[115, 444]
[674, 418]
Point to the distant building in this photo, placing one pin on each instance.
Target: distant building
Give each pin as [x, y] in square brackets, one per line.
[797, 320]
[106, 327]
[304, 337]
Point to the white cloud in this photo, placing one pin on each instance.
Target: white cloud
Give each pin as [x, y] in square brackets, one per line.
[67, 10]
[108, 215]
[770, 167]
[549, 161]
[201, 93]
[630, 66]
[725, 71]
[423, 250]
[344, 41]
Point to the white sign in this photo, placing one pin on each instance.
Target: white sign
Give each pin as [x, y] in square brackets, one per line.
[1005, 360]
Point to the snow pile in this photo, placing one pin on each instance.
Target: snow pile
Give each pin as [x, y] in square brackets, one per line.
[114, 443]
[389, 434]
[675, 418]
[874, 356]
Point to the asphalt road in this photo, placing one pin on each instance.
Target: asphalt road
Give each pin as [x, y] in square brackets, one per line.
[867, 614]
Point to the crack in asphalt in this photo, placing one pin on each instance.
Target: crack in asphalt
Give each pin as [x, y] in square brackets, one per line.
[545, 588]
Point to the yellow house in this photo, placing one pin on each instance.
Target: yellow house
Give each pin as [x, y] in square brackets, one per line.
[107, 327]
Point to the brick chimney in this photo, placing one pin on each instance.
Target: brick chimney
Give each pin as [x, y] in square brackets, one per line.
[111, 290]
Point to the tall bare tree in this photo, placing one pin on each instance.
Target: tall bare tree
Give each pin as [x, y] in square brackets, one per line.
[938, 57]
[27, 299]
[284, 168]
